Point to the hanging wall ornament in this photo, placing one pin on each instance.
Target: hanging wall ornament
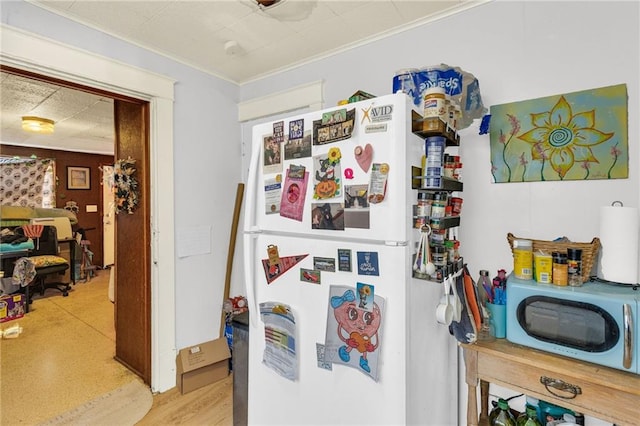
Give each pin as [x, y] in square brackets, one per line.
[125, 185]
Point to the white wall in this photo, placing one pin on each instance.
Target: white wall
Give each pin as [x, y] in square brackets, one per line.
[518, 51]
[206, 160]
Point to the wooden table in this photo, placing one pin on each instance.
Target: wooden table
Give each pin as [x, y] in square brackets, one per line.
[605, 393]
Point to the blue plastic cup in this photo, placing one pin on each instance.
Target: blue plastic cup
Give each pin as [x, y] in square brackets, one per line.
[497, 320]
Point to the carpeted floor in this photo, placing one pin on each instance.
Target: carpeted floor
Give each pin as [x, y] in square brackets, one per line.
[64, 357]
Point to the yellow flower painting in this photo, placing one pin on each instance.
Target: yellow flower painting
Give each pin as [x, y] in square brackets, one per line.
[575, 136]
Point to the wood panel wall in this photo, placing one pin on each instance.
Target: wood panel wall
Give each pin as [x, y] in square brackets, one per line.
[83, 197]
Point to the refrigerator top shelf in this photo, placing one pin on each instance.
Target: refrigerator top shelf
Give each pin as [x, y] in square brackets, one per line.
[425, 127]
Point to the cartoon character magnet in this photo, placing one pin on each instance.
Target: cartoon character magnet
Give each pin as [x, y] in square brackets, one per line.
[327, 182]
[353, 335]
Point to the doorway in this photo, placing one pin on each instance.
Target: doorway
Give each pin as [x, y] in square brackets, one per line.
[130, 117]
[24, 51]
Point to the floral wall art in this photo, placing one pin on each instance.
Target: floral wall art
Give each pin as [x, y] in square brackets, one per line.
[575, 136]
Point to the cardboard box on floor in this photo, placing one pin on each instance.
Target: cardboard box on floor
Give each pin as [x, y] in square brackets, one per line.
[202, 364]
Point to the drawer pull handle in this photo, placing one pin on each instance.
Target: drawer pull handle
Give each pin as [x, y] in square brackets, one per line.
[560, 385]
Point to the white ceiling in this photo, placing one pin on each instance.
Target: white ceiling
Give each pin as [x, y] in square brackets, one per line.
[263, 42]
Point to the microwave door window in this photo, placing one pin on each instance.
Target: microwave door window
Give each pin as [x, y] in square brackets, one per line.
[572, 324]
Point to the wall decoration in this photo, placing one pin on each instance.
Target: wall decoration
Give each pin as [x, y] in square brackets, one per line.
[78, 177]
[125, 186]
[27, 182]
[353, 335]
[575, 136]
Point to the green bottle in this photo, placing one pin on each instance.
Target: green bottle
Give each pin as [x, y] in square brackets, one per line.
[529, 417]
[501, 416]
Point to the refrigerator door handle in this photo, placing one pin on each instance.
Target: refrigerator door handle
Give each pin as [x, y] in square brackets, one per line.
[252, 188]
[249, 276]
[395, 243]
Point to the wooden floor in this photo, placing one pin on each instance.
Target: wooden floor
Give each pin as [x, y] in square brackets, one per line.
[210, 405]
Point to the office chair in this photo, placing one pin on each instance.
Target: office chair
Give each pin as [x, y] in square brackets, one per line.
[47, 262]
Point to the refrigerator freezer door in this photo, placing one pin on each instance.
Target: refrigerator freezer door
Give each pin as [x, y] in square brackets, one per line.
[382, 132]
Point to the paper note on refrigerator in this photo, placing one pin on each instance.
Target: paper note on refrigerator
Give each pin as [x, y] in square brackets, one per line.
[353, 333]
[280, 342]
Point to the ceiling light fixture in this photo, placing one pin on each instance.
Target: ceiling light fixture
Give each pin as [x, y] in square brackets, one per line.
[37, 125]
[287, 10]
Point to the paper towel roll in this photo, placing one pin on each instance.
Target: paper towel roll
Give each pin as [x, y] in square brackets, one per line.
[619, 239]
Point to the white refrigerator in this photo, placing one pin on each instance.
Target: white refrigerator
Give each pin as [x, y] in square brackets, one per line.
[319, 221]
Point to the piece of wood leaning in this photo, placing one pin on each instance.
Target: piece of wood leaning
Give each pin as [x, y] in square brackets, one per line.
[605, 393]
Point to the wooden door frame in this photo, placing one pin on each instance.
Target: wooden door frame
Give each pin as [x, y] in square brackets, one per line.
[31, 53]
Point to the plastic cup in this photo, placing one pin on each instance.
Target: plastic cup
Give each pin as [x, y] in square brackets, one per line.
[497, 320]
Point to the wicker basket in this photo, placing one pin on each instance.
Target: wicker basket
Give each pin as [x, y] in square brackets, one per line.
[589, 250]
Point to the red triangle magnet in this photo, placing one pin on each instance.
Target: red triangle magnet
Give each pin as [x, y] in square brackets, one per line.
[286, 262]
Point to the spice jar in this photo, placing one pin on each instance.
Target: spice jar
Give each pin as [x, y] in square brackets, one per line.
[560, 268]
[523, 259]
[574, 267]
[434, 102]
[439, 256]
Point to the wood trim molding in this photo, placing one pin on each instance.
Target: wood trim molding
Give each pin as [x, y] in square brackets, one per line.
[304, 96]
[36, 54]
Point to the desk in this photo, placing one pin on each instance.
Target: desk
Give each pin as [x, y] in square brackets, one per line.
[608, 394]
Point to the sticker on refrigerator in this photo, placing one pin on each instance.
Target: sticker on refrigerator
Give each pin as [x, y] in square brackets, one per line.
[365, 296]
[328, 216]
[272, 272]
[293, 196]
[271, 154]
[296, 129]
[368, 263]
[378, 182]
[344, 260]
[298, 148]
[272, 194]
[309, 276]
[320, 357]
[377, 114]
[274, 255]
[356, 206]
[327, 264]
[278, 132]
[329, 130]
[327, 175]
[364, 156]
[375, 128]
[353, 334]
[280, 342]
